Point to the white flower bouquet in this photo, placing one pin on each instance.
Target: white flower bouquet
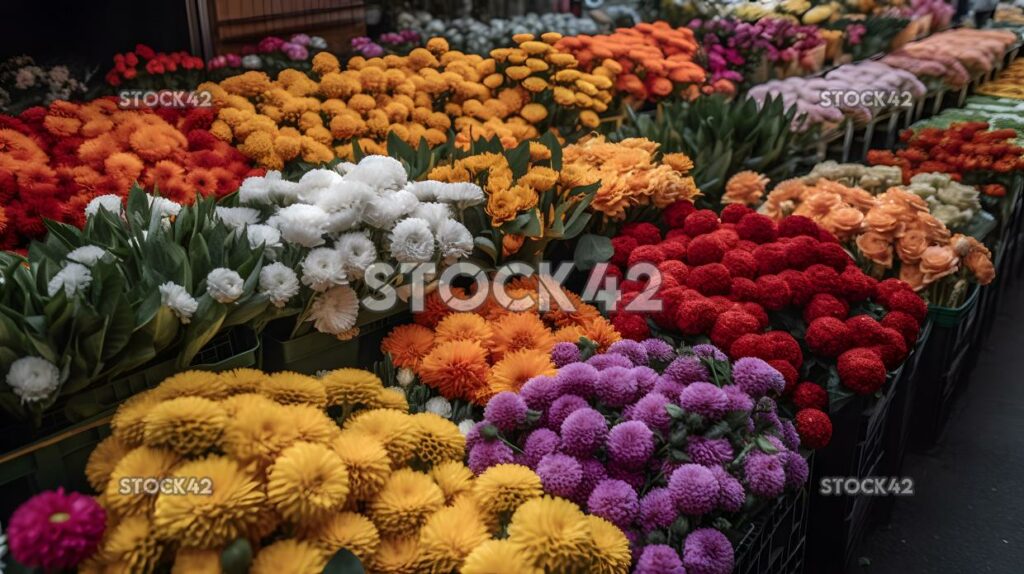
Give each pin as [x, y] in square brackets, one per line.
[953, 203]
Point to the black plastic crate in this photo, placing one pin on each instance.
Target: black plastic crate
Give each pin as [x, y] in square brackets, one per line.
[775, 541]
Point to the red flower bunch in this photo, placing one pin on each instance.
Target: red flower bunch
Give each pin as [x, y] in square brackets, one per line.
[775, 291]
[957, 150]
[54, 160]
[144, 63]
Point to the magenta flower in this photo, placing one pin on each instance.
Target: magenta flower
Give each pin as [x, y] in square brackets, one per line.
[506, 410]
[55, 530]
[708, 551]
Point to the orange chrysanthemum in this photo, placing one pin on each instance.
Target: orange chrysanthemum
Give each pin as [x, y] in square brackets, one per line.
[408, 345]
[457, 369]
[600, 331]
[465, 327]
[519, 331]
[434, 309]
[512, 372]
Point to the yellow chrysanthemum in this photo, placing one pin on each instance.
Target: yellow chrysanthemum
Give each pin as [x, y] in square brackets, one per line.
[130, 546]
[258, 432]
[192, 384]
[517, 331]
[124, 493]
[448, 536]
[498, 557]
[290, 555]
[294, 389]
[128, 422]
[405, 502]
[396, 556]
[439, 439]
[395, 430]
[613, 553]
[103, 460]
[192, 561]
[352, 387]
[464, 327]
[504, 487]
[394, 399]
[233, 506]
[553, 533]
[239, 381]
[512, 372]
[313, 424]
[325, 62]
[185, 425]
[367, 462]
[454, 479]
[307, 482]
[348, 530]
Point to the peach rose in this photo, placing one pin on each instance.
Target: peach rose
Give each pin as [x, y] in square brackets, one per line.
[981, 266]
[933, 228]
[844, 222]
[911, 246]
[938, 262]
[881, 221]
[911, 274]
[875, 247]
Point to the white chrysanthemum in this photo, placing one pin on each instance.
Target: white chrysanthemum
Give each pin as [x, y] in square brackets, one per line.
[383, 211]
[357, 253]
[224, 285]
[335, 311]
[344, 167]
[279, 283]
[317, 183]
[74, 277]
[301, 224]
[317, 43]
[283, 192]
[33, 378]
[379, 172]
[405, 377]
[439, 406]
[261, 234]
[346, 195]
[425, 190]
[466, 426]
[323, 268]
[87, 255]
[238, 217]
[177, 299]
[343, 220]
[434, 213]
[454, 240]
[412, 241]
[257, 189]
[110, 202]
[461, 195]
[163, 207]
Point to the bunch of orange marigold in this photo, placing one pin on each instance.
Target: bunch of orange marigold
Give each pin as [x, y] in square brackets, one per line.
[473, 355]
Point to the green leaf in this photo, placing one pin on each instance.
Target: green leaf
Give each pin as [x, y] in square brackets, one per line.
[344, 562]
[674, 411]
[519, 160]
[765, 445]
[592, 249]
[204, 326]
[487, 246]
[236, 557]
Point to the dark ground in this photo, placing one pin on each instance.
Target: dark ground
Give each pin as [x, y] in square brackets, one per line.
[967, 515]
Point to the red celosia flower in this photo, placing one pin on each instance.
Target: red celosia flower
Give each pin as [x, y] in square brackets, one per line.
[727, 236]
[675, 269]
[787, 371]
[800, 288]
[746, 245]
[757, 228]
[893, 348]
[704, 249]
[904, 323]
[700, 222]
[622, 246]
[710, 279]
[785, 347]
[810, 396]
[670, 300]
[733, 212]
[730, 326]
[675, 214]
[752, 345]
[864, 331]
[802, 252]
[771, 258]
[740, 263]
[677, 235]
[814, 427]
[827, 337]
[825, 305]
[631, 326]
[646, 254]
[774, 292]
[744, 289]
[856, 286]
[696, 316]
[823, 278]
[908, 302]
[755, 311]
[632, 286]
[673, 249]
[644, 233]
[795, 225]
[861, 370]
[887, 287]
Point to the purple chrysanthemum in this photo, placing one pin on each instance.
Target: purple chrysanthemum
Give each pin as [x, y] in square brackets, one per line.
[669, 388]
[790, 437]
[708, 351]
[55, 530]
[795, 467]
[507, 410]
[739, 400]
[577, 379]
[764, 474]
[616, 386]
[659, 559]
[564, 353]
[657, 509]
[658, 350]
[646, 378]
[650, 410]
[686, 370]
[630, 444]
[562, 407]
[634, 478]
[583, 432]
[594, 472]
[539, 444]
[560, 474]
[615, 501]
[709, 451]
[706, 400]
[608, 360]
[486, 454]
[757, 377]
[768, 418]
[731, 494]
[473, 436]
[539, 392]
[708, 551]
[694, 489]
[632, 350]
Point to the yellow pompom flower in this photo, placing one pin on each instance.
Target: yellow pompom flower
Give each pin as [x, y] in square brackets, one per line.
[589, 119]
[192, 384]
[453, 478]
[498, 557]
[437, 45]
[535, 84]
[192, 561]
[533, 112]
[231, 508]
[258, 431]
[103, 460]
[185, 425]
[550, 37]
[504, 487]
[613, 553]
[517, 73]
[348, 530]
[295, 389]
[130, 546]
[493, 81]
[239, 381]
[307, 482]
[395, 430]
[396, 556]
[406, 501]
[539, 152]
[553, 533]
[289, 555]
[537, 65]
[325, 63]
[366, 460]
[142, 462]
[352, 387]
[448, 536]
[534, 48]
[440, 439]
[393, 399]
[312, 424]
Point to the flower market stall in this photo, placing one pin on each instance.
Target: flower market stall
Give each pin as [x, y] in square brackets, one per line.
[537, 293]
